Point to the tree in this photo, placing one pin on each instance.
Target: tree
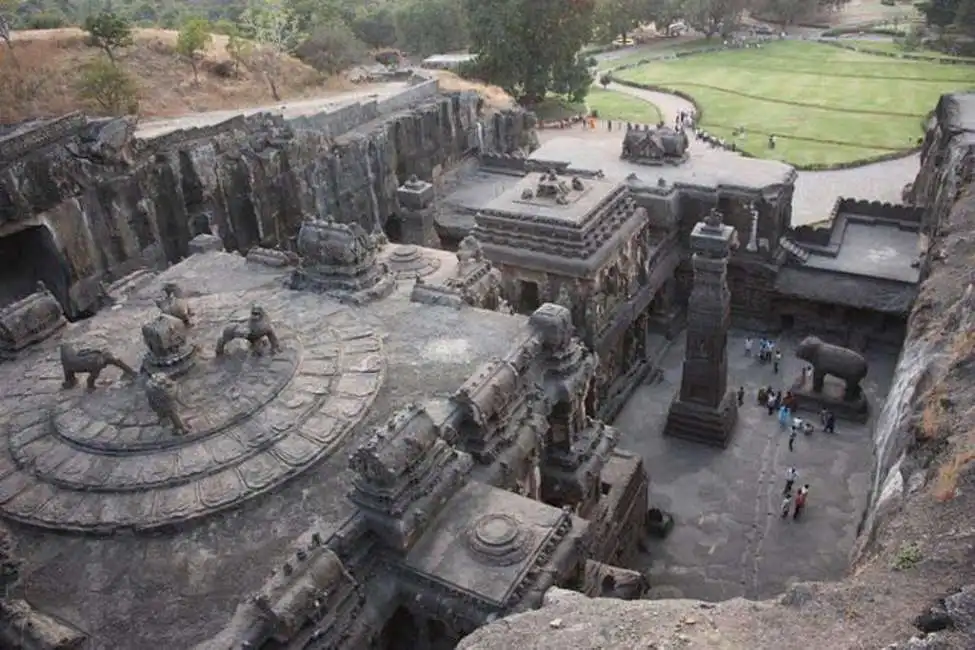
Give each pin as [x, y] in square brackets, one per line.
[712, 17]
[939, 14]
[616, 18]
[331, 48]
[790, 12]
[110, 87]
[425, 27]
[8, 10]
[531, 47]
[108, 32]
[376, 28]
[193, 40]
[275, 29]
[238, 48]
[965, 17]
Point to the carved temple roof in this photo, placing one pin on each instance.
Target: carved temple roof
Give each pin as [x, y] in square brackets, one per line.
[396, 446]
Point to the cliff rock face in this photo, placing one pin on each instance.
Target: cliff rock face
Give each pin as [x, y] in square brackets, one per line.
[914, 564]
[110, 203]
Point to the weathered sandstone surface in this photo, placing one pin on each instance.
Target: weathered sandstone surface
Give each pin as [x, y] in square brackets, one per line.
[916, 553]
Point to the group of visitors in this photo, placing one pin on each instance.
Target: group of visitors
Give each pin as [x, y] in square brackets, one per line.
[783, 404]
[795, 504]
[767, 352]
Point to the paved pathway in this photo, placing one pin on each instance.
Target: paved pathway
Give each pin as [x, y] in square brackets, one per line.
[815, 191]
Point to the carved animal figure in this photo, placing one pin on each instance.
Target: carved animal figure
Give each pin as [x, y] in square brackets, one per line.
[257, 328]
[163, 396]
[172, 303]
[828, 359]
[88, 360]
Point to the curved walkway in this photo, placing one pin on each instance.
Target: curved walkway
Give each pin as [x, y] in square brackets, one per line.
[815, 191]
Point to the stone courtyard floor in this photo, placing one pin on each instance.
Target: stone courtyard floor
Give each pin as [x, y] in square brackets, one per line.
[729, 539]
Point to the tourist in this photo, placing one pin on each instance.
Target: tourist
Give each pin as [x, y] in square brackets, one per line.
[794, 434]
[748, 346]
[786, 504]
[783, 417]
[830, 424]
[770, 403]
[791, 476]
[771, 142]
[741, 396]
[762, 396]
[778, 360]
[822, 417]
[801, 500]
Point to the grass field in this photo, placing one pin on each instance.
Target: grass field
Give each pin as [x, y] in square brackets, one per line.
[825, 105]
[619, 107]
[897, 48]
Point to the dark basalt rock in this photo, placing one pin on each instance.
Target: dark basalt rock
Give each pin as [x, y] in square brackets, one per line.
[115, 203]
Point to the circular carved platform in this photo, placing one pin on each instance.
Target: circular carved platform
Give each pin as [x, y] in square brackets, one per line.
[499, 539]
[102, 461]
[409, 262]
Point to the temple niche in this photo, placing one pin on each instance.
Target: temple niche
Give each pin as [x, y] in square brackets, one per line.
[340, 260]
[585, 244]
[475, 282]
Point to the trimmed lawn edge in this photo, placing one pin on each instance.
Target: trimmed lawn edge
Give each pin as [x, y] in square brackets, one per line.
[893, 155]
[908, 56]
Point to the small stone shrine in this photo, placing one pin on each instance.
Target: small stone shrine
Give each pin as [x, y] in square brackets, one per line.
[661, 145]
[476, 282]
[340, 260]
[706, 410]
[417, 216]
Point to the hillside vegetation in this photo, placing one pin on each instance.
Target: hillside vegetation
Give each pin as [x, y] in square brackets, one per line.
[44, 81]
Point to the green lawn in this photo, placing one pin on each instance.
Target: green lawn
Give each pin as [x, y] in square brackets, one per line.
[802, 91]
[619, 107]
[897, 48]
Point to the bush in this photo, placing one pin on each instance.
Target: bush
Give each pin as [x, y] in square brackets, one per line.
[389, 58]
[332, 48]
[45, 20]
[109, 88]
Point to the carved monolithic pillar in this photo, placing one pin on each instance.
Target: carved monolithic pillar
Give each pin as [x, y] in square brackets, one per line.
[705, 410]
[418, 213]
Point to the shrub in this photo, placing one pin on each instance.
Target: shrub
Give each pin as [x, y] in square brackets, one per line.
[108, 87]
[192, 42]
[45, 20]
[331, 49]
[389, 58]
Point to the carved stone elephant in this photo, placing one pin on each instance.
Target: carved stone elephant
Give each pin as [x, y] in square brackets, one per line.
[828, 359]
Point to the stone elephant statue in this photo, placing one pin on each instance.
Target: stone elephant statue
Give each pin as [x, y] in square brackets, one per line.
[828, 359]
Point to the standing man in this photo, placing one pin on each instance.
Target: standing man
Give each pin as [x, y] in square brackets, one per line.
[778, 360]
[748, 346]
[741, 396]
[830, 424]
[791, 475]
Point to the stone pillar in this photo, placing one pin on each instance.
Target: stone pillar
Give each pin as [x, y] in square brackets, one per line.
[417, 213]
[752, 246]
[705, 410]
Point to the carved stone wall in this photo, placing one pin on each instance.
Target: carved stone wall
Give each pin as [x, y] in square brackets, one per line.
[250, 180]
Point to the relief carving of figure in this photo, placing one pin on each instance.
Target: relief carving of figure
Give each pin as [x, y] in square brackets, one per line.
[163, 396]
[88, 360]
[173, 303]
[254, 330]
